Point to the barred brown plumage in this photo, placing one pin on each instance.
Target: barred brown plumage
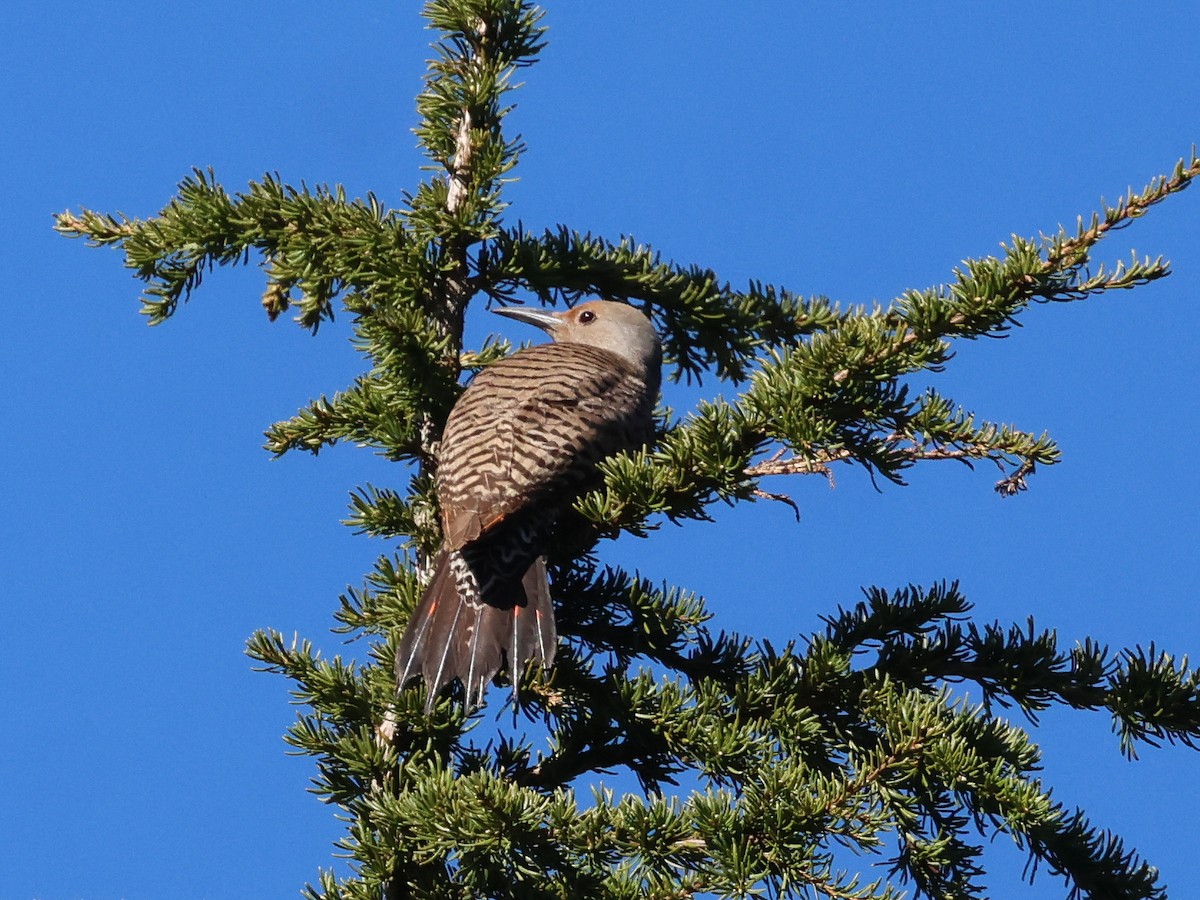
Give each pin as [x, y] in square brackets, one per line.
[520, 445]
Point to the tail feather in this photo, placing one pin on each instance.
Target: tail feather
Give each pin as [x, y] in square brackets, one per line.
[451, 637]
[535, 636]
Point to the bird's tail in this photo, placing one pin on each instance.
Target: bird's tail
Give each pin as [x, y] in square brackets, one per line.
[451, 636]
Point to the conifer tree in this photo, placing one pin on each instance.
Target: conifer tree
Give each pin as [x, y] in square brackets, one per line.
[858, 738]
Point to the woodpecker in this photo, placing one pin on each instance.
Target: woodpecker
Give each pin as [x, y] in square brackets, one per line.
[520, 445]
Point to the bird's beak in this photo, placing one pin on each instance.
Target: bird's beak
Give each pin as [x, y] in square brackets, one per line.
[531, 315]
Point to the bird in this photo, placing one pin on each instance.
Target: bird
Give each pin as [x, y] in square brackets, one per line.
[520, 445]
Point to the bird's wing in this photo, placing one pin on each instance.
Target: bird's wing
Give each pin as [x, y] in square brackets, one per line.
[529, 430]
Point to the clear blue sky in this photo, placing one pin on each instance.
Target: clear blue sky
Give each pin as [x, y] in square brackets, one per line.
[144, 534]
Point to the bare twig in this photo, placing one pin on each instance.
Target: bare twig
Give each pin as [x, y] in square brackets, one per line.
[779, 498]
[819, 462]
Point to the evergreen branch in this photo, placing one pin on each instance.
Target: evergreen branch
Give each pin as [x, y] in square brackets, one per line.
[318, 243]
[1094, 863]
[384, 602]
[710, 455]
[1155, 699]
[840, 886]
[392, 408]
[903, 451]
[964, 761]
[841, 396]
[693, 465]
[920, 644]
[323, 246]
[382, 512]
[601, 721]
[1152, 698]
[100, 229]
[936, 752]
[610, 611]
[1071, 252]
[614, 613]
[483, 43]
[981, 766]
[571, 762]
[366, 413]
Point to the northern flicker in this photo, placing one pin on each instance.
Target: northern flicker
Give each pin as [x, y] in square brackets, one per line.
[520, 445]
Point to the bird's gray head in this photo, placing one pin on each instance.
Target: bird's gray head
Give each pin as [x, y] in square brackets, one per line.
[612, 326]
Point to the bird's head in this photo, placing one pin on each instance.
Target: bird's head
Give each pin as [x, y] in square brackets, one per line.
[607, 324]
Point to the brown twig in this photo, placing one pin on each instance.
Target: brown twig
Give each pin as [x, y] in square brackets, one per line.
[818, 463]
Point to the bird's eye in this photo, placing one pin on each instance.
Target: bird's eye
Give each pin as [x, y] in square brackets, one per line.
[587, 317]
